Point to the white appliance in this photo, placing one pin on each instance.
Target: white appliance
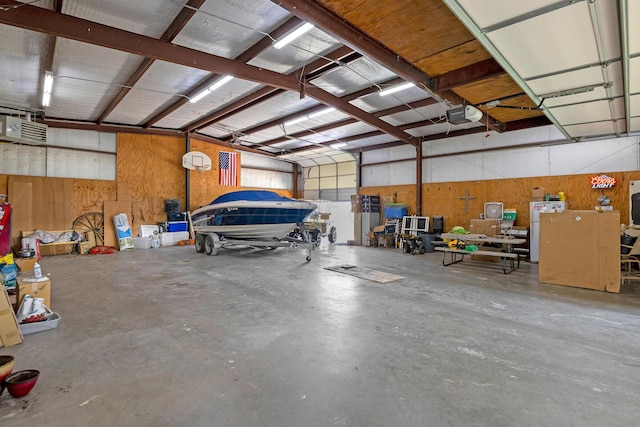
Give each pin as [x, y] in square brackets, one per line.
[534, 217]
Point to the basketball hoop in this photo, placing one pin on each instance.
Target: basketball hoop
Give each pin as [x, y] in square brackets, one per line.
[195, 160]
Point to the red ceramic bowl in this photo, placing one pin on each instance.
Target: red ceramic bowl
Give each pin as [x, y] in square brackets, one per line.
[20, 383]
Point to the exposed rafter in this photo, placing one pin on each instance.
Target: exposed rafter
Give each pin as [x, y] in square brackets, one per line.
[50, 22]
[246, 56]
[310, 110]
[178, 24]
[323, 64]
[334, 125]
[314, 12]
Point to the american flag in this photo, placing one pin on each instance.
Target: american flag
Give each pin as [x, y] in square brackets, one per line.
[228, 168]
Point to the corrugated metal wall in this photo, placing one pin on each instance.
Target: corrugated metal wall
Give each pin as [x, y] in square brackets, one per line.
[544, 157]
[68, 154]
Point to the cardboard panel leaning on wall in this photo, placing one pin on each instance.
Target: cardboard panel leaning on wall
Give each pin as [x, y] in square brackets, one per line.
[580, 249]
[40, 203]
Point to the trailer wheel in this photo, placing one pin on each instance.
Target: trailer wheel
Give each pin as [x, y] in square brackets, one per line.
[199, 243]
[333, 235]
[210, 244]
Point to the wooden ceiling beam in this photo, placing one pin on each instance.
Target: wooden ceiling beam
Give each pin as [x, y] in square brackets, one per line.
[466, 75]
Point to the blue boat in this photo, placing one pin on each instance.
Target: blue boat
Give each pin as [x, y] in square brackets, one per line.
[251, 215]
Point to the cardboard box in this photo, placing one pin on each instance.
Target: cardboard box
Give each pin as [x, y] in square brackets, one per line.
[9, 329]
[488, 227]
[85, 247]
[37, 289]
[57, 248]
[386, 241]
[580, 249]
[25, 264]
[378, 229]
[538, 194]
[356, 204]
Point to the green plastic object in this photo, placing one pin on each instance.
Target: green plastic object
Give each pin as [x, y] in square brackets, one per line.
[471, 248]
[459, 230]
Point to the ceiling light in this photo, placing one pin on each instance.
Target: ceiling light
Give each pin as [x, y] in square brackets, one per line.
[220, 82]
[309, 116]
[395, 89]
[48, 87]
[338, 145]
[199, 96]
[210, 89]
[575, 91]
[293, 35]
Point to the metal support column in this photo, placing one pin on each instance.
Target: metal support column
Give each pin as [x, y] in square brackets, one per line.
[419, 179]
[187, 180]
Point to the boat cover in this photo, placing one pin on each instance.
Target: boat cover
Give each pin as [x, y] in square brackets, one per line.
[252, 195]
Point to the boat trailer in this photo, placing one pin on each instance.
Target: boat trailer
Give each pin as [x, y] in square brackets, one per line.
[300, 238]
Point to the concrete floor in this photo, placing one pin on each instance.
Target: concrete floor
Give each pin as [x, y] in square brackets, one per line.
[166, 337]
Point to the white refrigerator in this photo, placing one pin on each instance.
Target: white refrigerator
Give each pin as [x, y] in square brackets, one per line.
[534, 230]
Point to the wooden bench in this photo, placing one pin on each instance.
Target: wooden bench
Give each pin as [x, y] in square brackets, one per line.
[510, 260]
[55, 248]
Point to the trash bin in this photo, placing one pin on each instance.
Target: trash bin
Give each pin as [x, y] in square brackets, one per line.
[427, 241]
[172, 205]
[438, 224]
[626, 240]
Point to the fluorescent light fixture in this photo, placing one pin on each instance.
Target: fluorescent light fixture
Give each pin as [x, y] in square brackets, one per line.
[309, 116]
[321, 113]
[338, 145]
[293, 35]
[296, 120]
[395, 89]
[210, 89]
[48, 86]
[199, 96]
[220, 82]
[574, 91]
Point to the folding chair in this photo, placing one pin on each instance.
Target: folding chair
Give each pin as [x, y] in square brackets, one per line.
[630, 257]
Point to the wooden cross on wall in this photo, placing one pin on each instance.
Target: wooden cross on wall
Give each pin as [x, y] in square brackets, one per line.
[466, 199]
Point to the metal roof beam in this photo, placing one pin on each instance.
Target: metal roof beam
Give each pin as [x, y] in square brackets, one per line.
[314, 12]
[174, 28]
[71, 27]
[267, 92]
[310, 110]
[381, 113]
[245, 56]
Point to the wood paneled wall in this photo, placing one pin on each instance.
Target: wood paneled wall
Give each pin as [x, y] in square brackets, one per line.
[204, 186]
[149, 171]
[447, 199]
[41, 203]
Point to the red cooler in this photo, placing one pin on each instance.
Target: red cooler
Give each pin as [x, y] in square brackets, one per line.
[5, 228]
